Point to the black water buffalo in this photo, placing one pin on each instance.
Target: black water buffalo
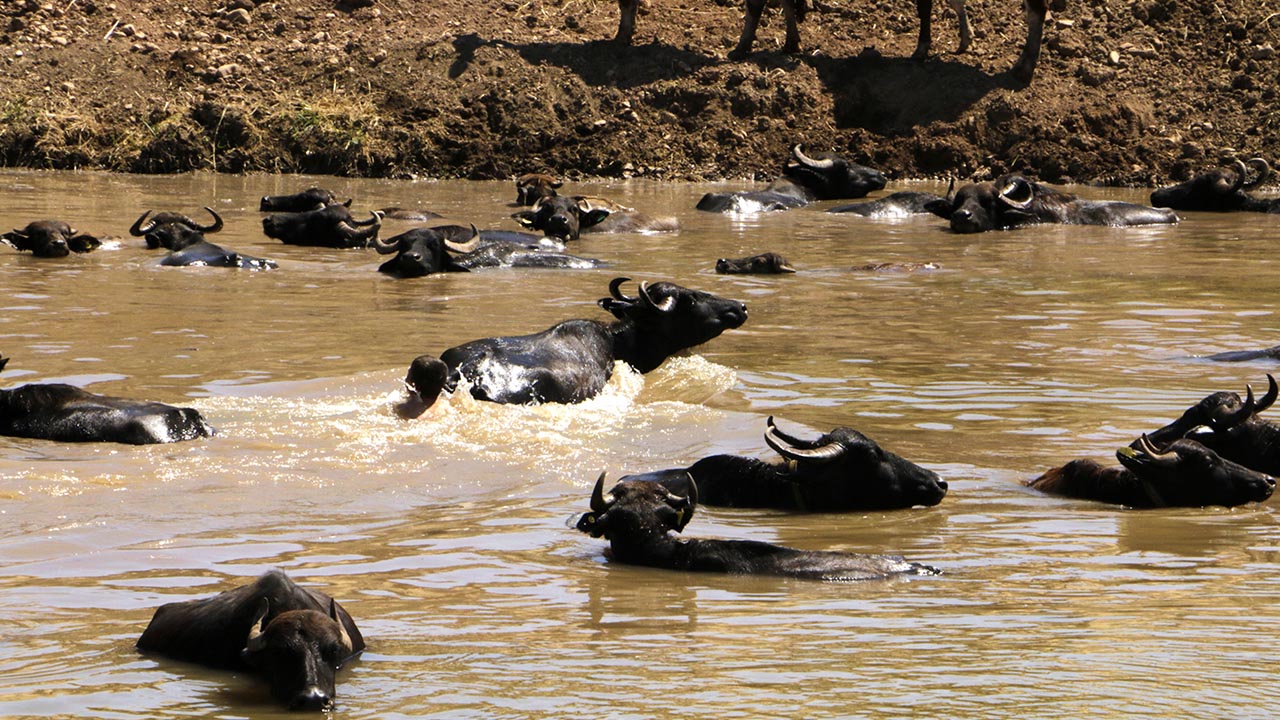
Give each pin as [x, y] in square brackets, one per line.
[425, 381]
[842, 470]
[424, 251]
[899, 204]
[769, 263]
[1014, 201]
[1220, 190]
[166, 229]
[532, 187]
[637, 517]
[567, 217]
[292, 637]
[1231, 428]
[331, 226]
[1183, 474]
[1271, 353]
[189, 248]
[572, 360]
[50, 239]
[896, 267]
[55, 411]
[310, 199]
[806, 179]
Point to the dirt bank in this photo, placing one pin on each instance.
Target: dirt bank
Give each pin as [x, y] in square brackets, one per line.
[1130, 92]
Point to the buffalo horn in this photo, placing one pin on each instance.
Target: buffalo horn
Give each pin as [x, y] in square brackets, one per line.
[137, 229]
[467, 246]
[1241, 172]
[1264, 172]
[375, 219]
[951, 190]
[385, 247]
[254, 641]
[616, 293]
[599, 501]
[361, 230]
[344, 638]
[1164, 458]
[806, 160]
[666, 306]
[215, 227]
[1250, 407]
[686, 505]
[791, 440]
[1018, 193]
[821, 453]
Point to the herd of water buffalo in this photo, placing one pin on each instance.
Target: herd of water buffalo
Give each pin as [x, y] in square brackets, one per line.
[1220, 452]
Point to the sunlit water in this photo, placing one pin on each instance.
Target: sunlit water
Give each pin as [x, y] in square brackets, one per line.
[445, 536]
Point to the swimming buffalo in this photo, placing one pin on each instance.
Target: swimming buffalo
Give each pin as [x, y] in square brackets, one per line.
[166, 229]
[572, 360]
[1231, 427]
[331, 226]
[899, 204]
[567, 217]
[50, 239]
[293, 637]
[1183, 473]
[769, 263]
[189, 248]
[840, 471]
[55, 411]
[310, 199]
[824, 176]
[1014, 201]
[452, 248]
[532, 187]
[637, 517]
[1220, 190]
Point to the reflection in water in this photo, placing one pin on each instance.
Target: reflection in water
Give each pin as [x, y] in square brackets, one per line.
[445, 538]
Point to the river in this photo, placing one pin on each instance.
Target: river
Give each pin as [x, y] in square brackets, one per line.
[445, 536]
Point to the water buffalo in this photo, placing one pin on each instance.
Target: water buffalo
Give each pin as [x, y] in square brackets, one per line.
[310, 199]
[165, 229]
[1231, 428]
[572, 360]
[825, 176]
[1183, 474]
[292, 637]
[1220, 190]
[637, 517]
[331, 226]
[566, 217]
[1271, 353]
[899, 204]
[842, 470]
[425, 381]
[424, 251]
[189, 248]
[532, 187]
[55, 411]
[769, 263]
[50, 239]
[1014, 201]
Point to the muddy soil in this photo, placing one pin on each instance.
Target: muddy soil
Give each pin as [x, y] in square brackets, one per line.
[1127, 92]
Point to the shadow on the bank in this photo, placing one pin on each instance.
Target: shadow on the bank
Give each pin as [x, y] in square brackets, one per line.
[893, 96]
[597, 62]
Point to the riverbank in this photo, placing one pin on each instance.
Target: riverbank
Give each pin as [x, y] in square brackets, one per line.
[1126, 93]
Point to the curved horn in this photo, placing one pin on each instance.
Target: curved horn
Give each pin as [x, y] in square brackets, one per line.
[791, 440]
[254, 641]
[386, 247]
[1018, 193]
[344, 637]
[951, 190]
[137, 229]
[358, 230]
[1264, 172]
[1163, 458]
[1241, 171]
[614, 291]
[823, 453]
[1250, 407]
[684, 514]
[215, 227]
[666, 306]
[467, 246]
[599, 501]
[806, 160]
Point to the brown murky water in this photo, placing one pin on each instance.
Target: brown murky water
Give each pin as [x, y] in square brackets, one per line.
[445, 536]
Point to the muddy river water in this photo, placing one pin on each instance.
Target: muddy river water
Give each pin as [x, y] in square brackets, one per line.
[445, 536]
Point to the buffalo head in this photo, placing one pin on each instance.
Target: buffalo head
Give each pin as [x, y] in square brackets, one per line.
[665, 318]
[828, 176]
[1187, 474]
[769, 263]
[50, 239]
[310, 199]
[532, 187]
[298, 652]
[1219, 190]
[330, 226]
[561, 216]
[172, 231]
[636, 511]
[423, 251]
[981, 207]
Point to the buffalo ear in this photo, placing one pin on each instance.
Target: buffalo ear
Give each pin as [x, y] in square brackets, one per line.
[526, 218]
[617, 308]
[940, 207]
[594, 216]
[83, 243]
